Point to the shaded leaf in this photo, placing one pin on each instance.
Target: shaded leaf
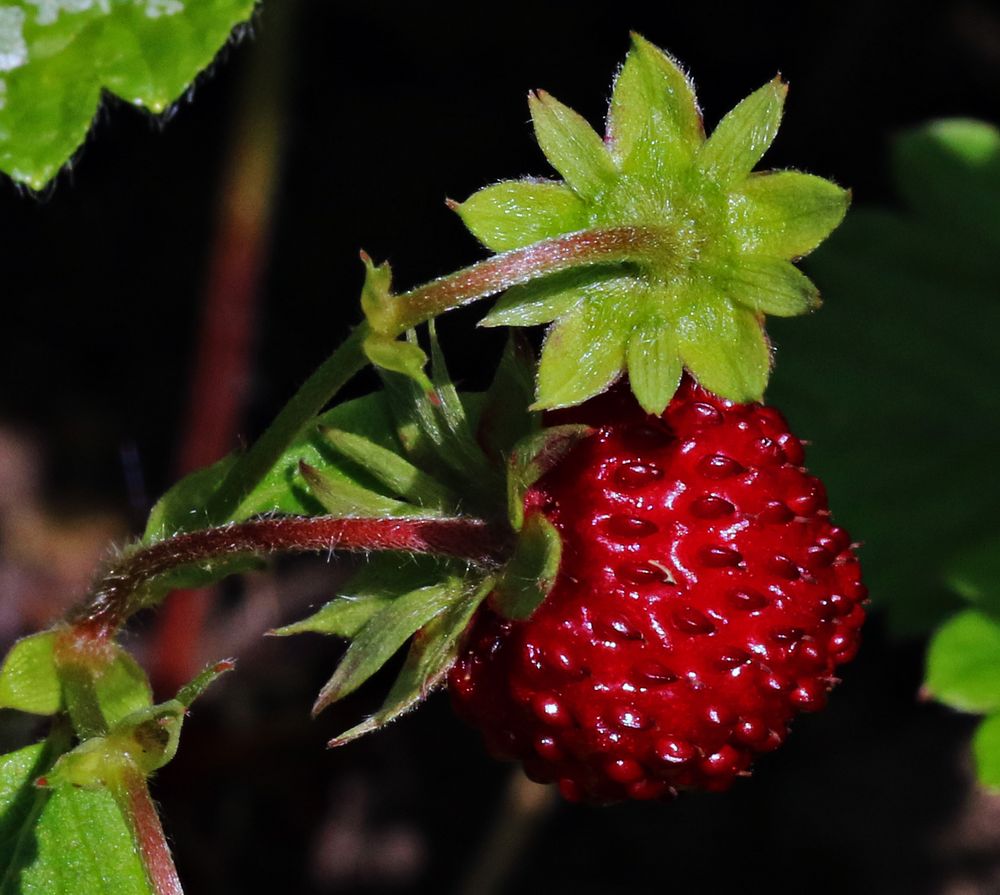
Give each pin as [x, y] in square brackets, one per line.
[974, 574]
[571, 145]
[963, 663]
[57, 57]
[744, 135]
[505, 418]
[986, 748]
[532, 457]
[529, 576]
[516, 213]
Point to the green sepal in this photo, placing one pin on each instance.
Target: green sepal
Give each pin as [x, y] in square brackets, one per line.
[431, 655]
[101, 686]
[376, 295]
[725, 349]
[963, 663]
[505, 418]
[986, 749]
[530, 575]
[974, 574]
[571, 145]
[653, 109]
[398, 356]
[581, 357]
[29, 681]
[542, 301]
[515, 213]
[772, 286]
[437, 433]
[390, 469]
[340, 497]
[654, 365]
[145, 739]
[384, 634]
[743, 136]
[532, 457]
[383, 578]
[786, 214]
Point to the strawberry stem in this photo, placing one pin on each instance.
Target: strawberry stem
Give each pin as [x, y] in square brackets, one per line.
[522, 265]
[123, 588]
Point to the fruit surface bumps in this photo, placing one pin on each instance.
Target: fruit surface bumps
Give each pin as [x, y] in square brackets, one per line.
[704, 597]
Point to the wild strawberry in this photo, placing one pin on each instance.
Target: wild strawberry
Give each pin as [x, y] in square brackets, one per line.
[704, 597]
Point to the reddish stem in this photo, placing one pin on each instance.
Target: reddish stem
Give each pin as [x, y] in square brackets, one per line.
[119, 592]
[132, 794]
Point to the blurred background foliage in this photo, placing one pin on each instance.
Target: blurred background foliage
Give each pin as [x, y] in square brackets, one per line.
[339, 127]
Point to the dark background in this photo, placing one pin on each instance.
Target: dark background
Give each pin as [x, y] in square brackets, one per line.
[389, 109]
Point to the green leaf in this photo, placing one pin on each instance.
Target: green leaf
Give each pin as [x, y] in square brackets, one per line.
[949, 173]
[786, 214]
[532, 457]
[102, 688]
[974, 574]
[744, 135]
[28, 679]
[986, 748]
[653, 104]
[343, 498]
[915, 299]
[397, 474]
[531, 573]
[378, 640]
[58, 56]
[182, 508]
[68, 841]
[654, 367]
[581, 357]
[772, 286]
[383, 578]
[516, 213]
[726, 350]
[571, 145]
[433, 652]
[963, 663]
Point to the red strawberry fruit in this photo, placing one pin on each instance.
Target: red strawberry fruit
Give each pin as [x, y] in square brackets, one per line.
[704, 597]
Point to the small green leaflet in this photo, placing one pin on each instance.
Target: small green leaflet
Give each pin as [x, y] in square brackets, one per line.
[56, 57]
[67, 841]
[963, 663]
[28, 678]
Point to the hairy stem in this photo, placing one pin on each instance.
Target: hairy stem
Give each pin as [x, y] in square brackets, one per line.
[123, 589]
[132, 794]
[521, 265]
[308, 401]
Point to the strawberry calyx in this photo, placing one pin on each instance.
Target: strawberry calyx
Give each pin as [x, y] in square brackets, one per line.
[658, 251]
